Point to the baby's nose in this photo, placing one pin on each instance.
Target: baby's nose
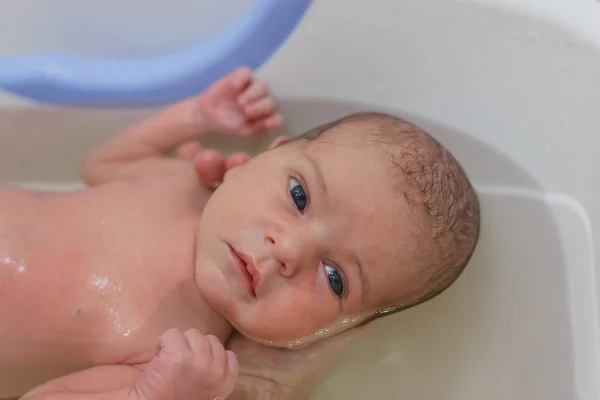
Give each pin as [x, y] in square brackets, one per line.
[292, 251]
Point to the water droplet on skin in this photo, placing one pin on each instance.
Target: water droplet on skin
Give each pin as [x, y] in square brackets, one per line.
[109, 290]
[99, 282]
[15, 266]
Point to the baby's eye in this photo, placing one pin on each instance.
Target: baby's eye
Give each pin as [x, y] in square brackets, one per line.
[335, 281]
[298, 194]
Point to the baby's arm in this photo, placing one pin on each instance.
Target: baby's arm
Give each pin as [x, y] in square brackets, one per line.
[236, 105]
[188, 366]
[108, 382]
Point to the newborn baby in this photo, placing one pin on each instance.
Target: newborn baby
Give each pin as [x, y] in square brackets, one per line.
[129, 287]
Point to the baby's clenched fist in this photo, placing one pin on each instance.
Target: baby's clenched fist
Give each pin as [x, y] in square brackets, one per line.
[188, 366]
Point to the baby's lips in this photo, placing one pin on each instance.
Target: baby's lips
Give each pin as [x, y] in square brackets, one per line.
[251, 267]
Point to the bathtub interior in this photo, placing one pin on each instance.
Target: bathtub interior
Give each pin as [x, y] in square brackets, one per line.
[509, 317]
[510, 88]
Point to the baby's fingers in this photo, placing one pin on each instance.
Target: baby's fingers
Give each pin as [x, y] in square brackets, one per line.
[269, 123]
[232, 363]
[172, 341]
[199, 344]
[236, 159]
[256, 91]
[260, 109]
[216, 348]
[189, 150]
[210, 166]
[231, 372]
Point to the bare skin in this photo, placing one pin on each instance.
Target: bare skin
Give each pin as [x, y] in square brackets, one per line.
[111, 292]
[266, 372]
[147, 272]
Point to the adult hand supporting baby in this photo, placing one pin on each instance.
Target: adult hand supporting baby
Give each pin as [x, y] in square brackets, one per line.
[270, 373]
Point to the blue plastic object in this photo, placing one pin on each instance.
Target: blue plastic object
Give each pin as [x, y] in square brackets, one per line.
[65, 79]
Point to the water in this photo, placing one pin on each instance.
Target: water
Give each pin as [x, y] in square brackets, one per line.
[322, 333]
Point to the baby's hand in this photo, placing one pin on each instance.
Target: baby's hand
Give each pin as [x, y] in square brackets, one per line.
[211, 166]
[238, 104]
[188, 366]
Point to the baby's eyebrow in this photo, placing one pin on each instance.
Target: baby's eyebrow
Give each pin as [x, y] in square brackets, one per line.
[364, 281]
[317, 167]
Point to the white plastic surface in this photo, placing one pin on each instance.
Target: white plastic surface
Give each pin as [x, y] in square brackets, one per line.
[512, 87]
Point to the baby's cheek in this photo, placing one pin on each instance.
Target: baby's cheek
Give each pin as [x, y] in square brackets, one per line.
[295, 317]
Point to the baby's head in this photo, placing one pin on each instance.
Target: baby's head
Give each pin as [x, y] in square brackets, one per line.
[352, 220]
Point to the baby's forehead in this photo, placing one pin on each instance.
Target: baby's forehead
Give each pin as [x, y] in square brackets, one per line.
[385, 167]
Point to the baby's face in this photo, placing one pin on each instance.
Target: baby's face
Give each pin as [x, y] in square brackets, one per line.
[305, 238]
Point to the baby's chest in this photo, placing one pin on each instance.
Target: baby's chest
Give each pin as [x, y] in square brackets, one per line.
[96, 287]
[96, 276]
[94, 314]
[88, 317]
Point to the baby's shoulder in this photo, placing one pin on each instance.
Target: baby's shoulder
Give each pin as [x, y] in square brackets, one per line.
[169, 190]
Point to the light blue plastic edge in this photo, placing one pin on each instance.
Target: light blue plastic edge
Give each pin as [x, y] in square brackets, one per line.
[65, 79]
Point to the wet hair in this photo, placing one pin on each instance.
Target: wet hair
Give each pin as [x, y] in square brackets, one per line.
[435, 187]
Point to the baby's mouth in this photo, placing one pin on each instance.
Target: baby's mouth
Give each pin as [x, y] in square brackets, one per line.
[247, 270]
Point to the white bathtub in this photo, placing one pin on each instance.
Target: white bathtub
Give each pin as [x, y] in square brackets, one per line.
[513, 89]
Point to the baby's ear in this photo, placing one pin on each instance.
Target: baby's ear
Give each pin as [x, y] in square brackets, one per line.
[233, 164]
[278, 141]
[229, 173]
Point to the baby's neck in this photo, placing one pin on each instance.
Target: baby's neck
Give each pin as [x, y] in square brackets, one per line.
[214, 323]
[217, 325]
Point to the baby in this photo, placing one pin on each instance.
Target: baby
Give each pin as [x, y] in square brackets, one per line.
[128, 288]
